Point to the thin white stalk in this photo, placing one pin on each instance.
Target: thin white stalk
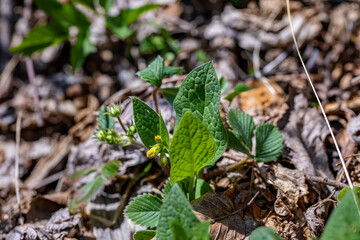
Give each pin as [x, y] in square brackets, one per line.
[17, 162]
[322, 109]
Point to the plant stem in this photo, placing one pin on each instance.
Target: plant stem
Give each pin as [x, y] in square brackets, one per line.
[122, 125]
[155, 99]
[191, 188]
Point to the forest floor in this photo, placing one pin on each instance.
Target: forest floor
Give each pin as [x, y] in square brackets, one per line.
[251, 45]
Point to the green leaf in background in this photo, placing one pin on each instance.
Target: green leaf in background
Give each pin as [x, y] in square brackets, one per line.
[223, 85]
[200, 94]
[243, 125]
[87, 3]
[167, 189]
[87, 192]
[170, 94]
[202, 187]
[82, 173]
[104, 120]
[120, 24]
[82, 48]
[235, 143]
[239, 88]
[169, 70]
[344, 221]
[154, 73]
[110, 169]
[106, 4]
[64, 14]
[175, 208]
[192, 147]
[144, 210]
[269, 142]
[144, 235]
[40, 38]
[264, 233]
[202, 56]
[201, 231]
[347, 189]
[149, 124]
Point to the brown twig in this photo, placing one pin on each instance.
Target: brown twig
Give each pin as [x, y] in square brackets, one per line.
[155, 99]
[325, 181]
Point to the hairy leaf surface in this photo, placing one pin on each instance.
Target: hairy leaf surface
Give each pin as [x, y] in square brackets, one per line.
[269, 143]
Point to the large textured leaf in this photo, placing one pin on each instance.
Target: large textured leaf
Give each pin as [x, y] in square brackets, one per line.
[175, 208]
[192, 147]
[87, 192]
[64, 14]
[82, 48]
[144, 210]
[200, 94]
[269, 143]
[149, 124]
[104, 120]
[154, 73]
[243, 125]
[264, 233]
[144, 235]
[40, 38]
[344, 222]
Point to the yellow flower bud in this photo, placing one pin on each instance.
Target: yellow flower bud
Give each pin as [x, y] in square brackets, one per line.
[153, 151]
[158, 139]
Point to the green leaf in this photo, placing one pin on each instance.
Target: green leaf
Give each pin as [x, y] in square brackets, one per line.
[149, 124]
[169, 71]
[110, 169]
[144, 235]
[167, 189]
[200, 94]
[82, 173]
[201, 231]
[120, 24]
[144, 210]
[64, 14]
[82, 48]
[347, 189]
[106, 4]
[87, 3]
[154, 73]
[40, 38]
[178, 231]
[269, 142]
[170, 94]
[223, 85]
[175, 208]
[235, 143]
[243, 125]
[264, 233]
[87, 192]
[104, 120]
[192, 147]
[239, 88]
[202, 187]
[202, 56]
[344, 222]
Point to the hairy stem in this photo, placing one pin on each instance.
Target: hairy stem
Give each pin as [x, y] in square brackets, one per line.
[122, 125]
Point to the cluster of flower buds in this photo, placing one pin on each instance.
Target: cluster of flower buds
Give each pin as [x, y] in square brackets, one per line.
[109, 136]
[114, 110]
[156, 149]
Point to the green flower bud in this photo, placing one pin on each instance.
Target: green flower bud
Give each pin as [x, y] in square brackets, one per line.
[163, 159]
[153, 151]
[112, 137]
[114, 110]
[100, 135]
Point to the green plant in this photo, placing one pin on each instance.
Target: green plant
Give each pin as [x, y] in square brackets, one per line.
[198, 142]
[67, 16]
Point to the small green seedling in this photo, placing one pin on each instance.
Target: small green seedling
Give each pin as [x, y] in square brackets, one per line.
[269, 141]
[239, 88]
